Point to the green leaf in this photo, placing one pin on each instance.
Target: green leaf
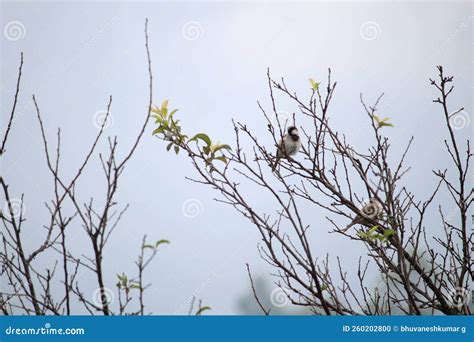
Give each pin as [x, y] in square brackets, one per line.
[148, 246]
[176, 149]
[314, 84]
[201, 310]
[158, 118]
[161, 242]
[158, 130]
[173, 112]
[373, 229]
[386, 235]
[135, 286]
[156, 110]
[370, 234]
[203, 137]
[169, 146]
[382, 122]
[222, 159]
[218, 147]
[164, 108]
[123, 279]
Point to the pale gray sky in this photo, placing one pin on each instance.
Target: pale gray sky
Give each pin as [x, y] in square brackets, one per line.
[210, 60]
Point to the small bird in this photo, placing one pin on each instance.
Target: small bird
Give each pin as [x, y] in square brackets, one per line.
[288, 146]
[370, 210]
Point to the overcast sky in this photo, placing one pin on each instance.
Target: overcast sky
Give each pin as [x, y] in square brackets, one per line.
[210, 60]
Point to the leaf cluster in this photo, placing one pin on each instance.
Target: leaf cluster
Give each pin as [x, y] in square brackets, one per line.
[169, 129]
[373, 235]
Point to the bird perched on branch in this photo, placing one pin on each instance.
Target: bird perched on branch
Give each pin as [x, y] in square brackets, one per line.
[288, 146]
[372, 209]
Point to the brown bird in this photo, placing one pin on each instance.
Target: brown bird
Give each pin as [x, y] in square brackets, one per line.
[288, 146]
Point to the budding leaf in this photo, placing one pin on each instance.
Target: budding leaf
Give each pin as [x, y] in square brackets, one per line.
[218, 147]
[161, 242]
[157, 118]
[158, 130]
[201, 310]
[222, 159]
[382, 122]
[388, 233]
[173, 112]
[373, 229]
[314, 84]
[164, 108]
[123, 279]
[156, 110]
